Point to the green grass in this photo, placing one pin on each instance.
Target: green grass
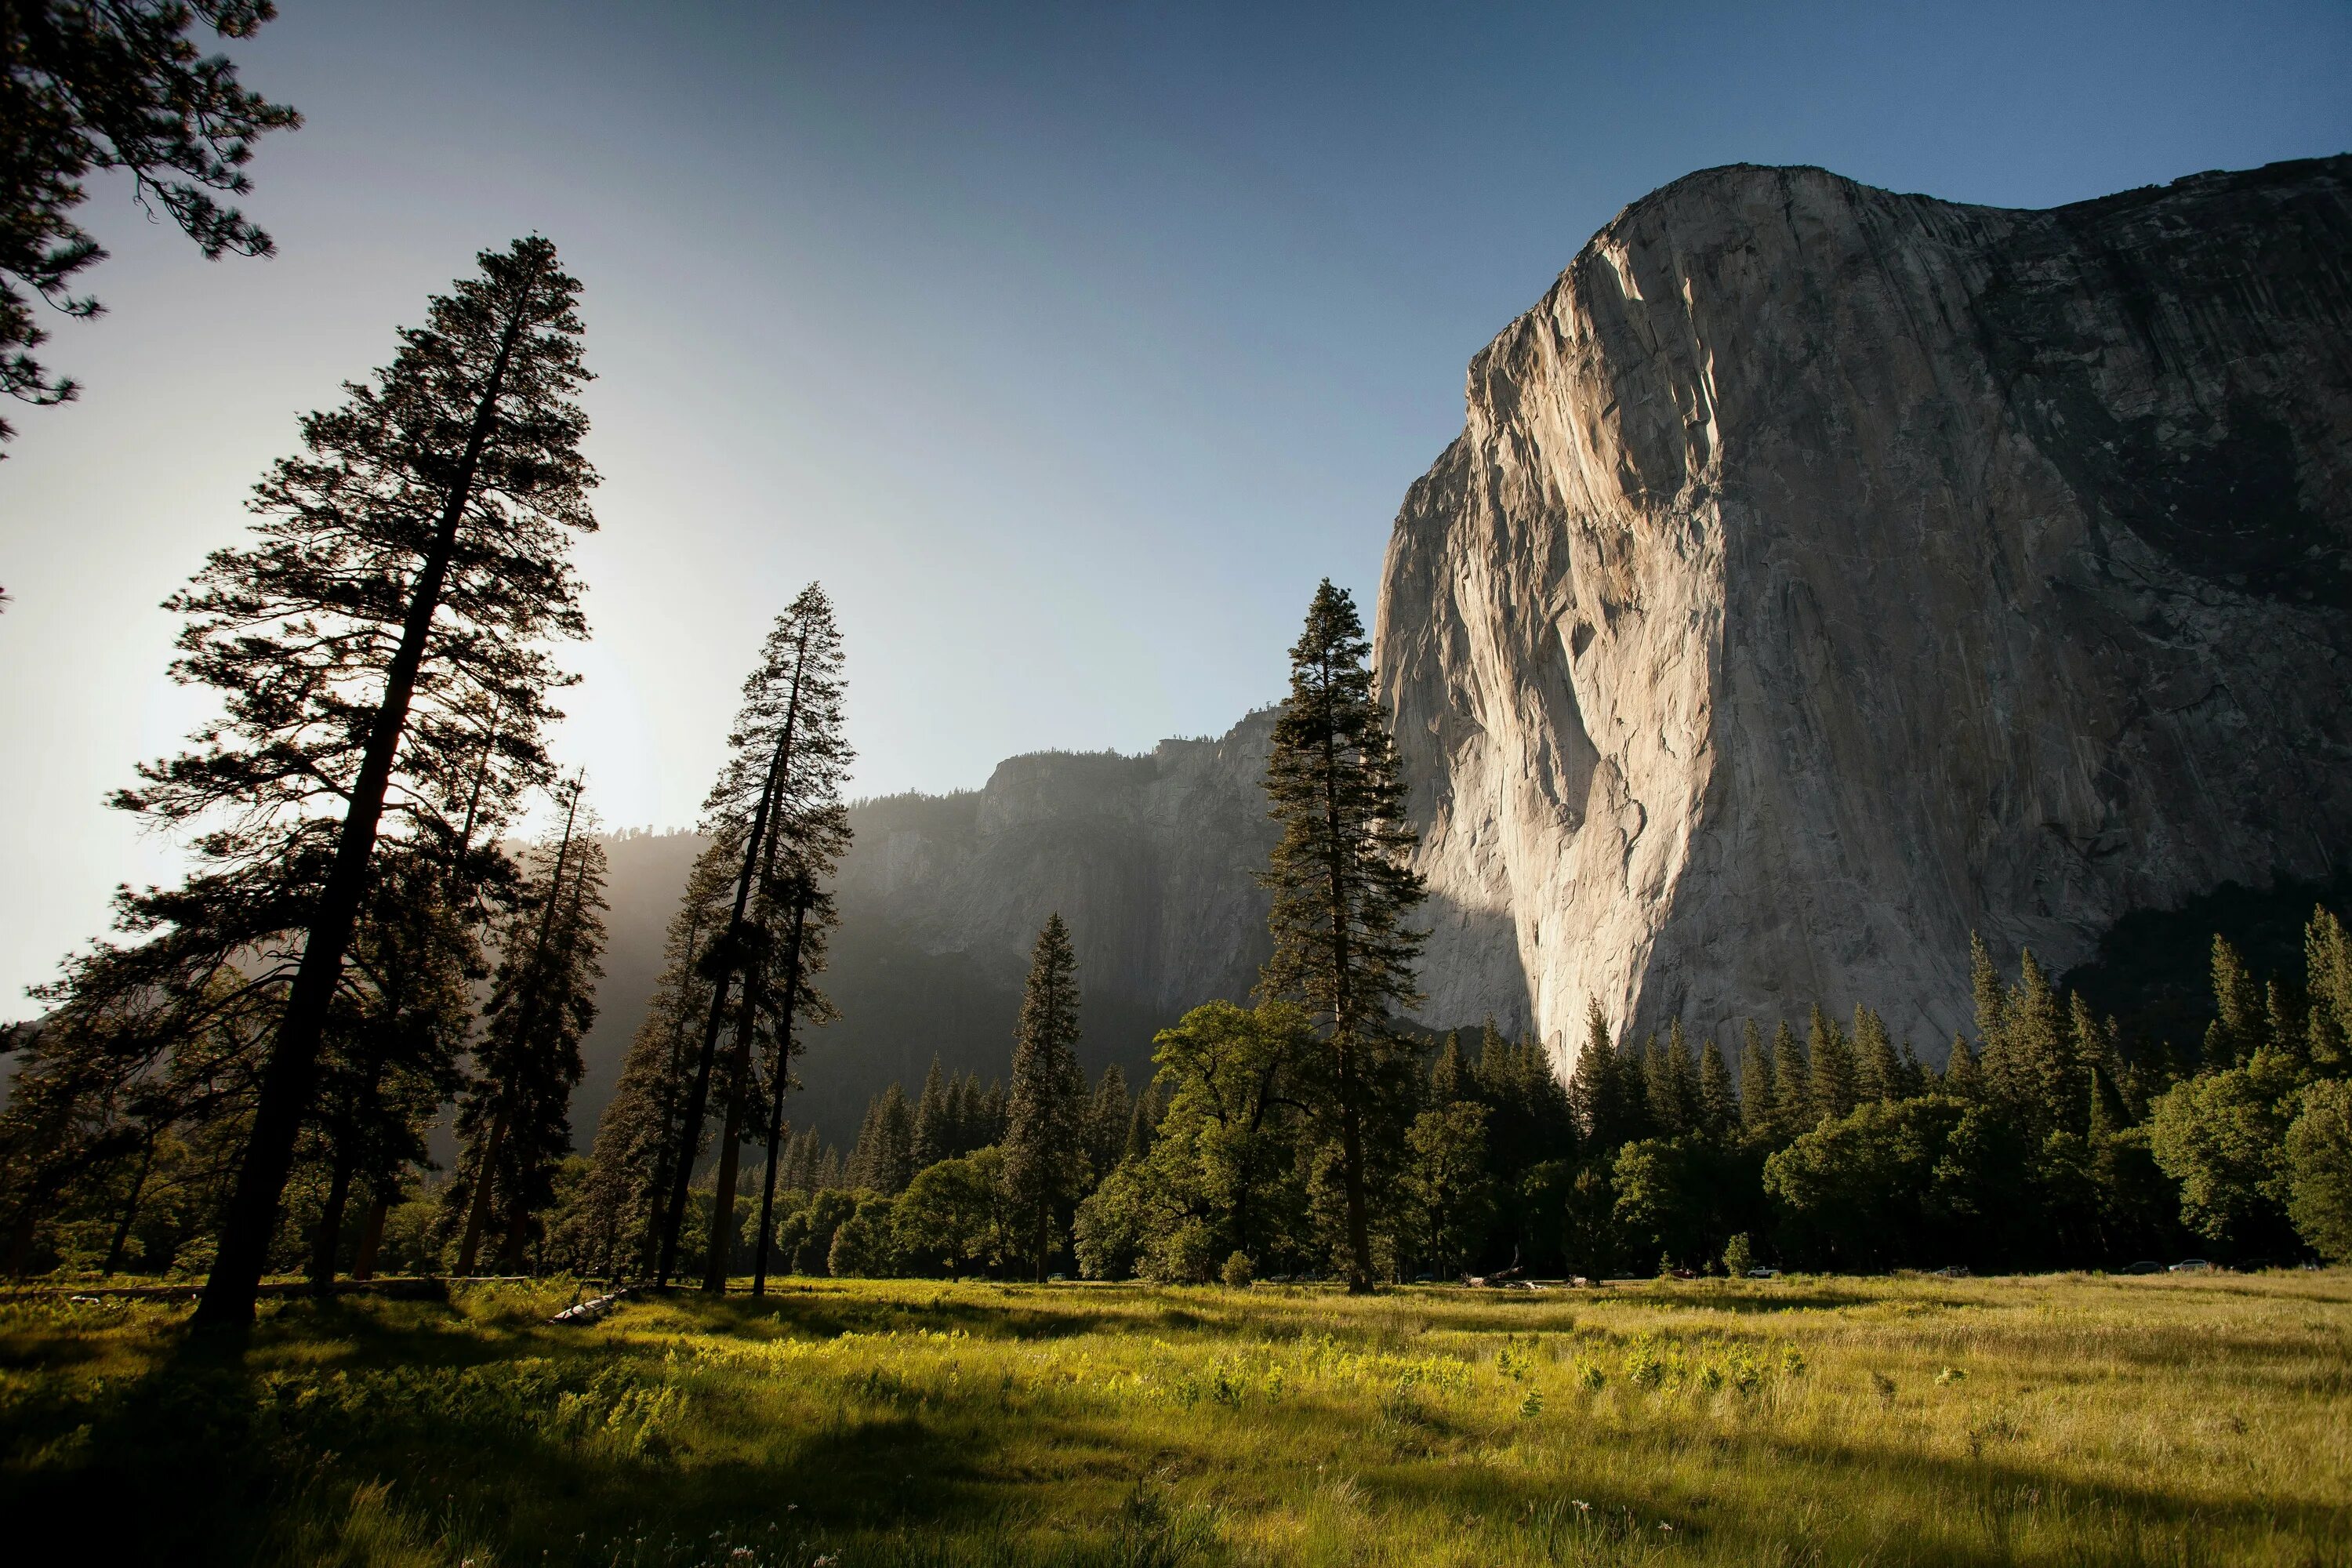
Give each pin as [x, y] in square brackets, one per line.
[2051, 1420]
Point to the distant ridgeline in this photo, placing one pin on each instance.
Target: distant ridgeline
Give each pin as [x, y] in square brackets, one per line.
[1151, 859]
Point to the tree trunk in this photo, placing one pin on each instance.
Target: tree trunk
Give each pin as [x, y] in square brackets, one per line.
[720, 1261]
[130, 1213]
[477, 1202]
[776, 1108]
[513, 1253]
[371, 1238]
[327, 1241]
[697, 1100]
[292, 1071]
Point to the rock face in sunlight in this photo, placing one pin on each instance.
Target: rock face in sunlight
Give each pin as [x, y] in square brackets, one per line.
[1823, 573]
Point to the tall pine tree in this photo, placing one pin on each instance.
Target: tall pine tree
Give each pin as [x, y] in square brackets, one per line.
[1343, 889]
[777, 797]
[1043, 1156]
[414, 558]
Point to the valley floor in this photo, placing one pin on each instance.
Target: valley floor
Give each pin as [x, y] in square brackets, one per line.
[2060, 1419]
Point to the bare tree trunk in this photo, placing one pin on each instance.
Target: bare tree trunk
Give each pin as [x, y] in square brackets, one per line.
[292, 1071]
[776, 1108]
[329, 1237]
[371, 1238]
[698, 1099]
[477, 1202]
[130, 1212]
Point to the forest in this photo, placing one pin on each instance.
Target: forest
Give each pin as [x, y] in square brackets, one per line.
[343, 1046]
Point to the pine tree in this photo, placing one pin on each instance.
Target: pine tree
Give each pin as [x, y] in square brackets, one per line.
[2036, 1077]
[1991, 997]
[2327, 978]
[1962, 1079]
[934, 1128]
[1671, 1081]
[1342, 887]
[810, 835]
[1601, 1099]
[408, 567]
[1108, 1115]
[1792, 1086]
[1449, 1076]
[1878, 1071]
[884, 1158]
[1043, 1152]
[2237, 1030]
[515, 1117]
[777, 796]
[118, 85]
[1755, 1120]
[1718, 1099]
[1835, 1094]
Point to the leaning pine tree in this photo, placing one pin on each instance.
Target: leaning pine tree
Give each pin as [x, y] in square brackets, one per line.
[1342, 889]
[516, 1115]
[1044, 1130]
[777, 799]
[411, 559]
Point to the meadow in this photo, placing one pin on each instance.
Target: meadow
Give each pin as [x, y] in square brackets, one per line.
[2054, 1419]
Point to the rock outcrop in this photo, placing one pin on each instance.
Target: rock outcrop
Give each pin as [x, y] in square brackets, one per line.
[1823, 573]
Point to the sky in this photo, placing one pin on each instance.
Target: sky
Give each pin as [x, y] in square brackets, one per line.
[1067, 345]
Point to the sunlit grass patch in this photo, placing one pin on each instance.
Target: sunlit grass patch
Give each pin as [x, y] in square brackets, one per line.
[2074, 1420]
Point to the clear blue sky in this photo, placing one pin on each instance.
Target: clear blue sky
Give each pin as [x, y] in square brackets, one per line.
[1068, 346]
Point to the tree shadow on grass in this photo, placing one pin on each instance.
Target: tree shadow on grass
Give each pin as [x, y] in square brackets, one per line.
[238, 1454]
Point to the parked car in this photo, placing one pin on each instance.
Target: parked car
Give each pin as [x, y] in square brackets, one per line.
[2192, 1265]
[1953, 1271]
[2146, 1266]
[1763, 1274]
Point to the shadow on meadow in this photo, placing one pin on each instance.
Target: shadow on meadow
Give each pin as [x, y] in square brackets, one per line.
[539, 1441]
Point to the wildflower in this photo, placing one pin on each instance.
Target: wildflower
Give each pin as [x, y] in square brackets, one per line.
[1581, 1506]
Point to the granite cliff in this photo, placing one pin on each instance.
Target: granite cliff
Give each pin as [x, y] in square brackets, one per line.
[1822, 574]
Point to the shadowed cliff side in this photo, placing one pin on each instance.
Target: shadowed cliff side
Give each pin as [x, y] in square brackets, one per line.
[1151, 858]
[1823, 573]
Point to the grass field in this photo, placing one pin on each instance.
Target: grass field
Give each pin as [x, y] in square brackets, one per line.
[2062, 1419]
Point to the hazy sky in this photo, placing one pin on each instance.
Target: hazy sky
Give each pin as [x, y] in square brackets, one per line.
[1067, 345]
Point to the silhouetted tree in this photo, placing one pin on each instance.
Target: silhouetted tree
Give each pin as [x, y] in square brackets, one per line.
[114, 84]
[764, 795]
[516, 1115]
[413, 559]
[1043, 1156]
[1342, 889]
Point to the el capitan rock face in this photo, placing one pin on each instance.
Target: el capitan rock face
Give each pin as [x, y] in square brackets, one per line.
[1823, 573]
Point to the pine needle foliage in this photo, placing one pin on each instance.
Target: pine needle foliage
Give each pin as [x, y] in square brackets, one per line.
[1045, 1155]
[516, 1115]
[378, 648]
[1343, 889]
[114, 84]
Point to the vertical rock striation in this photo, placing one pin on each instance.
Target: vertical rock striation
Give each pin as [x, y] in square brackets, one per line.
[1823, 573]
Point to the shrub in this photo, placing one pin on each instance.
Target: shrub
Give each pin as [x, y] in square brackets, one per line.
[1237, 1273]
[1739, 1257]
[2319, 1167]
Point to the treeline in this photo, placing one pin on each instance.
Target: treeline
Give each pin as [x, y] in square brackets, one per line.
[2042, 1143]
[248, 1077]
